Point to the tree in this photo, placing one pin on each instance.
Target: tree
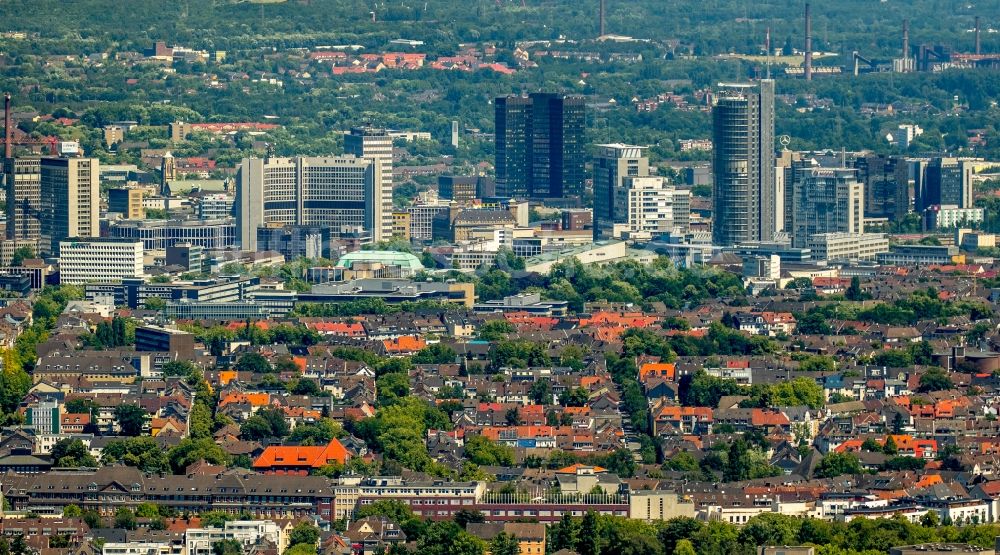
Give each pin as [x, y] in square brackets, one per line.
[437, 353]
[890, 447]
[870, 445]
[253, 362]
[464, 517]
[484, 452]
[935, 379]
[854, 292]
[304, 533]
[190, 451]
[505, 544]
[20, 255]
[392, 387]
[838, 464]
[93, 519]
[141, 452]
[541, 392]
[267, 423]
[306, 386]
[905, 463]
[227, 547]
[389, 508]
[448, 538]
[72, 511]
[147, 510]
[72, 453]
[155, 303]
[495, 330]
[178, 368]
[684, 547]
[682, 461]
[589, 539]
[125, 519]
[301, 549]
[574, 397]
[131, 419]
[565, 532]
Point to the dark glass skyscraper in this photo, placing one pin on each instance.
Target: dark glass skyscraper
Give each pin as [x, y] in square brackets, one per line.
[539, 146]
[743, 163]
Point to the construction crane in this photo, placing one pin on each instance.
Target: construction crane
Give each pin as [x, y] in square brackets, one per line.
[10, 141]
[860, 58]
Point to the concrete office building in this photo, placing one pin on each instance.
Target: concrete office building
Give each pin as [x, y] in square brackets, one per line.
[847, 246]
[646, 207]
[187, 256]
[465, 188]
[158, 339]
[945, 181]
[127, 202]
[294, 241]
[337, 192]
[375, 144]
[743, 164]
[540, 146]
[88, 260]
[826, 200]
[421, 219]
[23, 179]
[951, 216]
[70, 200]
[612, 165]
[213, 207]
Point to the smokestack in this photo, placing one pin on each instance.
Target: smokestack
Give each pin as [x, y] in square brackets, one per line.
[7, 129]
[906, 39]
[979, 48]
[602, 16]
[809, 46]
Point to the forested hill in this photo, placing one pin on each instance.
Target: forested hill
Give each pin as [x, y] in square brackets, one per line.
[708, 26]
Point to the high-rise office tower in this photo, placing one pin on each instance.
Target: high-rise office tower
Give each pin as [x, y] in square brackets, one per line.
[540, 146]
[70, 200]
[826, 200]
[334, 192]
[946, 181]
[612, 165]
[23, 181]
[375, 144]
[743, 164]
[887, 186]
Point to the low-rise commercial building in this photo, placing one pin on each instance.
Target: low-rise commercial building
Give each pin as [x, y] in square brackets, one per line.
[847, 246]
[160, 234]
[919, 255]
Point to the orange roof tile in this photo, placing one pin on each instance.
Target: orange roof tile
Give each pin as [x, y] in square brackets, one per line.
[301, 456]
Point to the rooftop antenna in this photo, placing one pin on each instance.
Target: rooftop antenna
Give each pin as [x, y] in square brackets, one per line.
[767, 51]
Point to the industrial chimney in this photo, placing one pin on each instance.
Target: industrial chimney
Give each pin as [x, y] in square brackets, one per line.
[7, 129]
[602, 16]
[808, 48]
[906, 39]
[979, 48]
